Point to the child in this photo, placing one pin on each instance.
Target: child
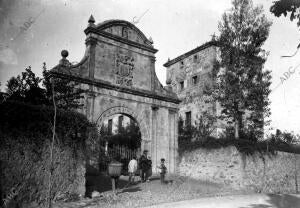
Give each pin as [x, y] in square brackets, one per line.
[132, 167]
[162, 170]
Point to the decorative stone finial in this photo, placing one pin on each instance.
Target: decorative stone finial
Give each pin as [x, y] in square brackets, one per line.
[91, 20]
[150, 40]
[64, 61]
[64, 53]
[213, 37]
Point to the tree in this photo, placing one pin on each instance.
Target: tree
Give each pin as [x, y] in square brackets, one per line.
[284, 7]
[27, 88]
[185, 132]
[204, 126]
[129, 136]
[67, 92]
[200, 130]
[284, 137]
[241, 86]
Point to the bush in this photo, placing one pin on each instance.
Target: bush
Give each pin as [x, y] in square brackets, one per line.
[25, 136]
[247, 144]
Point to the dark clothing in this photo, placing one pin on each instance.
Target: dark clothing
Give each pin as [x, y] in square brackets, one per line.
[116, 181]
[145, 165]
[143, 175]
[149, 165]
[149, 172]
[143, 162]
[149, 169]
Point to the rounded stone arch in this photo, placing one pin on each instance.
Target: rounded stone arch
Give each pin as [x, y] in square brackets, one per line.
[145, 136]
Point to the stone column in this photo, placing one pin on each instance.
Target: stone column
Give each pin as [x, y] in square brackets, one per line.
[90, 103]
[91, 44]
[152, 71]
[175, 141]
[154, 137]
[172, 139]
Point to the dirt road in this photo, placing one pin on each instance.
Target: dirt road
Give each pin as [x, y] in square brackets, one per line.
[239, 201]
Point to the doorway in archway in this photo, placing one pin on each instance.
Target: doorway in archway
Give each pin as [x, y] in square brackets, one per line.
[120, 139]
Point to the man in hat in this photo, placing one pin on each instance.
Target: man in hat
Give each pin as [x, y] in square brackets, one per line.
[143, 165]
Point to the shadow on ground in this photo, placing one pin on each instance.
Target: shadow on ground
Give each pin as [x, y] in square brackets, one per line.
[101, 182]
[279, 201]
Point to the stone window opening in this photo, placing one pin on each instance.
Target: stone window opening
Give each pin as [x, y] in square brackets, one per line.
[120, 123]
[181, 64]
[188, 118]
[109, 125]
[181, 85]
[195, 80]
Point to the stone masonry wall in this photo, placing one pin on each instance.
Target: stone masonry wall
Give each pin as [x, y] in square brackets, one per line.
[279, 173]
[192, 93]
[188, 75]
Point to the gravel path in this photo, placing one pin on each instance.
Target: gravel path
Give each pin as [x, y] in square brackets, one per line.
[151, 193]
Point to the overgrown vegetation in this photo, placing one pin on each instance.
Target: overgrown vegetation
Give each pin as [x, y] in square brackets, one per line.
[41, 97]
[29, 88]
[284, 7]
[287, 8]
[122, 144]
[247, 144]
[129, 136]
[25, 135]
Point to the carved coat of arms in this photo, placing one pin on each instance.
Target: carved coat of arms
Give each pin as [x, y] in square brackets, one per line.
[124, 70]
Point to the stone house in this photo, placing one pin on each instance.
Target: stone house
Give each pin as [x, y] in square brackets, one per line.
[188, 75]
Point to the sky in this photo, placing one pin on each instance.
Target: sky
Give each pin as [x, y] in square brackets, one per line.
[35, 31]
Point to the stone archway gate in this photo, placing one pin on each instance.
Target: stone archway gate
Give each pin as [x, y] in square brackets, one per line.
[118, 74]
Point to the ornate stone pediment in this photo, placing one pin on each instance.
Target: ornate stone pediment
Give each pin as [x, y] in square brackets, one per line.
[125, 30]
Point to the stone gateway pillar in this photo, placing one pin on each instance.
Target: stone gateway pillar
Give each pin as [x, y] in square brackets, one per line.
[118, 75]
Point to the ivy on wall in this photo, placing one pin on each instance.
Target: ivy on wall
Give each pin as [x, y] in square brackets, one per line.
[25, 135]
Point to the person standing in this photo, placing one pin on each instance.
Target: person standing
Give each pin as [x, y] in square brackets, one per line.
[143, 165]
[149, 168]
[132, 168]
[162, 170]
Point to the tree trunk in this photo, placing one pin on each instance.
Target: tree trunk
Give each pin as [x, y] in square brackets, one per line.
[236, 129]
